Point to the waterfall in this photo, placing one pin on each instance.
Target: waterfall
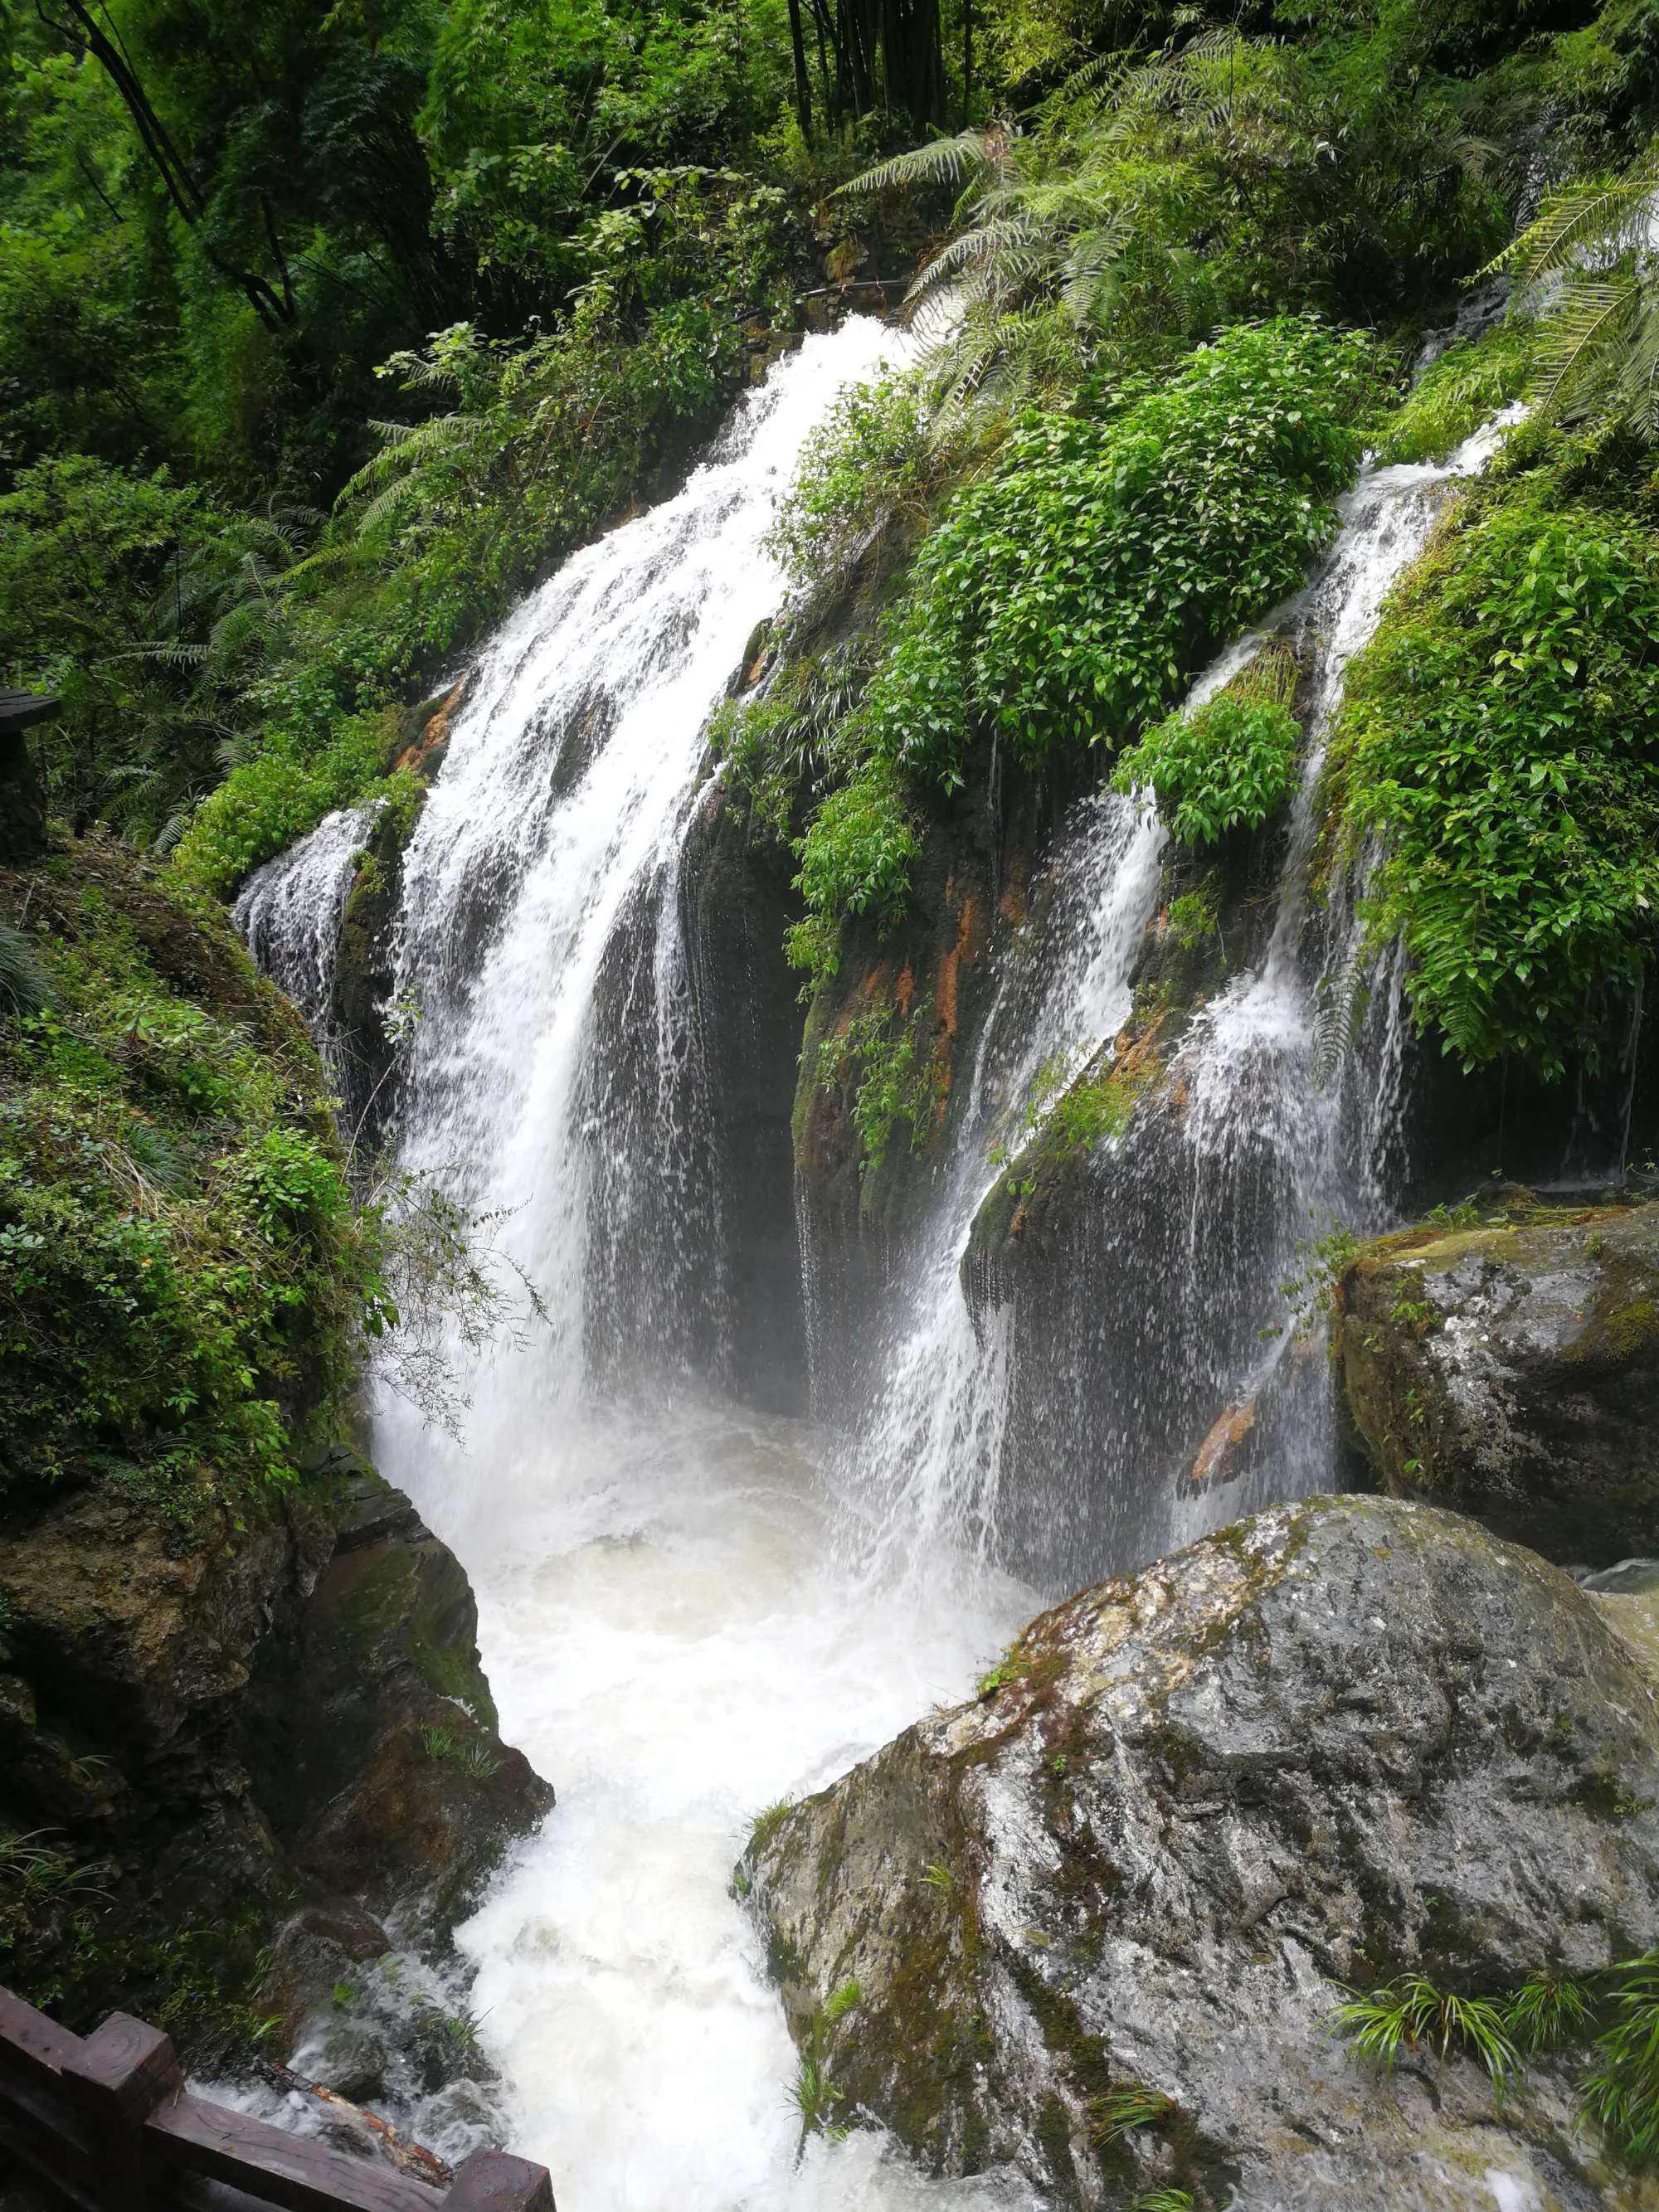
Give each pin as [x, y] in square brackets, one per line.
[290, 912]
[667, 1628]
[678, 1610]
[1084, 1402]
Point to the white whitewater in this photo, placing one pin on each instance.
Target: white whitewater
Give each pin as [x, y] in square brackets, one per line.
[663, 1621]
[290, 910]
[931, 1452]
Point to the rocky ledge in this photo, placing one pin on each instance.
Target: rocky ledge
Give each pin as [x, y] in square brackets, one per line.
[1096, 1923]
[1510, 1368]
[235, 1760]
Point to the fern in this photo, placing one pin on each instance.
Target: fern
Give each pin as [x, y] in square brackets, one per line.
[24, 986]
[942, 161]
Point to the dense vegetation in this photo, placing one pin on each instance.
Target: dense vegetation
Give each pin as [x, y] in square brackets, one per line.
[324, 329]
[1120, 446]
[187, 1279]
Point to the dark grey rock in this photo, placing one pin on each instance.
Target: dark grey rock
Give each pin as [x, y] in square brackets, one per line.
[1344, 1741]
[1513, 1372]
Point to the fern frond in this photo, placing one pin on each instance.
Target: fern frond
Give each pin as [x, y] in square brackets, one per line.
[942, 161]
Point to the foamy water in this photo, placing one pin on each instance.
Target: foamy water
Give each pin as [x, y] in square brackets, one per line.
[670, 1639]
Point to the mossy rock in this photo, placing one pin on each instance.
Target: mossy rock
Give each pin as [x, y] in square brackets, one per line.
[1347, 1740]
[1510, 1366]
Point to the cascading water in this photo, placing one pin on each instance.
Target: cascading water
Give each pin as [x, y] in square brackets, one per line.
[667, 1628]
[1086, 1403]
[677, 1606]
[290, 911]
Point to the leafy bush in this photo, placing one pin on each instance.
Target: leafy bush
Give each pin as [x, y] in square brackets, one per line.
[1065, 599]
[867, 479]
[1496, 733]
[185, 1283]
[854, 859]
[1068, 597]
[1230, 765]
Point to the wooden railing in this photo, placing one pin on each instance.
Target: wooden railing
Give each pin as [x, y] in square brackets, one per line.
[104, 2124]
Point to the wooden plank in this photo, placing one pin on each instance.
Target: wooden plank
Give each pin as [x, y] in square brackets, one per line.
[31, 2041]
[493, 2181]
[275, 2167]
[20, 710]
[40, 2136]
[119, 2076]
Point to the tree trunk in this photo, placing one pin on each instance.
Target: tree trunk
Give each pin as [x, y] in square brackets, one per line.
[803, 89]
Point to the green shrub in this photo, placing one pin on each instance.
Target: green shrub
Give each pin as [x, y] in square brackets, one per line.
[1496, 734]
[1065, 599]
[854, 859]
[1454, 395]
[186, 1283]
[1068, 597]
[1230, 765]
[867, 476]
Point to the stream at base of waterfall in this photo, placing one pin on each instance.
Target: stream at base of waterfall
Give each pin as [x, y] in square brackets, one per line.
[688, 1612]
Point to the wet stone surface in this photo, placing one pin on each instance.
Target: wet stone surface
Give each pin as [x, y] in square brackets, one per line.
[1340, 1741]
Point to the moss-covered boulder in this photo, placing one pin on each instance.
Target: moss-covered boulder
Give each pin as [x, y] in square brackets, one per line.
[370, 1728]
[1096, 1921]
[1510, 1368]
[238, 1679]
[207, 1734]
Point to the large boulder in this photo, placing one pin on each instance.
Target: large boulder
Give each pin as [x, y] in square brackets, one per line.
[1511, 1369]
[369, 1729]
[1099, 1918]
[214, 1732]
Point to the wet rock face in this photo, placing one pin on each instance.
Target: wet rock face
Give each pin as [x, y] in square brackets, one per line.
[1344, 1741]
[226, 1727]
[1514, 1373]
[369, 1728]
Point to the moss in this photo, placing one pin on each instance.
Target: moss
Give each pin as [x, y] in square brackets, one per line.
[1618, 1333]
[188, 1279]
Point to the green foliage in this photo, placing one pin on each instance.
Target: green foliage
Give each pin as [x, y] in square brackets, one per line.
[1495, 734]
[1229, 765]
[185, 1282]
[1151, 198]
[1118, 2112]
[1621, 2093]
[1312, 1292]
[866, 484]
[527, 105]
[1611, 2016]
[813, 2094]
[1587, 267]
[1067, 597]
[892, 1080]
[1469, 384]
[1413, 2015]
[1194, 915]
[854, 859]
[782, 743]
[768, 1821]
